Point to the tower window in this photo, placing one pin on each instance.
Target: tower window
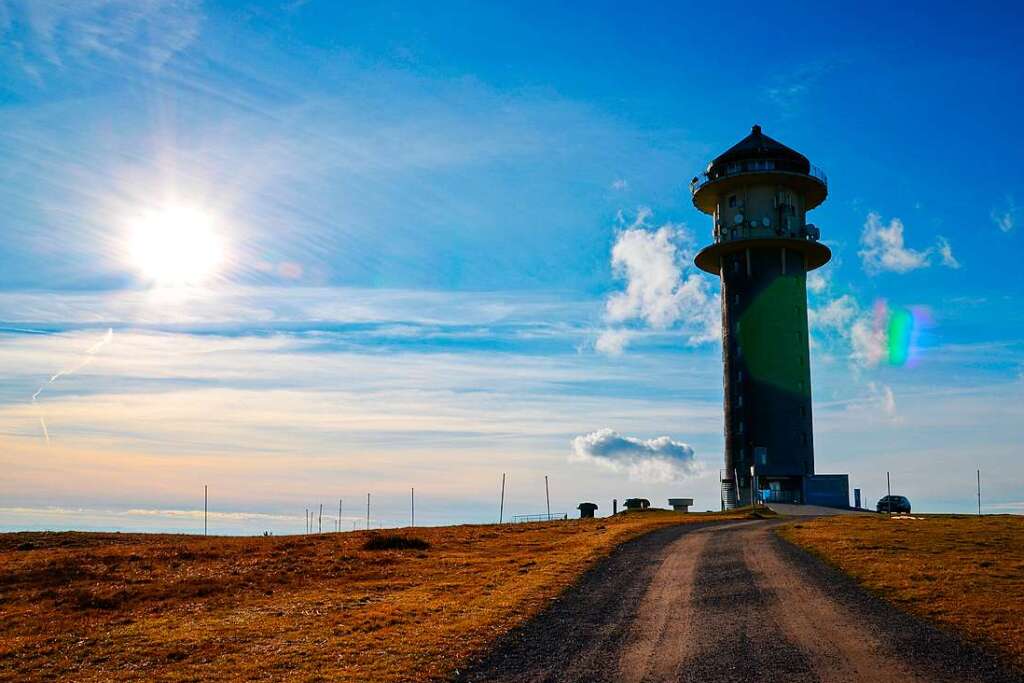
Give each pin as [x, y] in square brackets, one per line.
[736, 263]
[732, 201]
[739, 401]
[736, 299]
[739, 376]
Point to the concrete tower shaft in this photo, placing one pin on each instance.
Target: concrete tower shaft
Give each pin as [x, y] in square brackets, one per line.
[759, 192]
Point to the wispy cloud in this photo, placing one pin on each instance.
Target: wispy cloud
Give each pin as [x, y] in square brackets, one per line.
[946, 252]
[146, 33]
[885, 399]
[1005, 216]
[884, 249]
[789, 91]
[171, 411]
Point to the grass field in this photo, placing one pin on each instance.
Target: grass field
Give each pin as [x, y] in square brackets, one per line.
[966, 573]
[90, 607]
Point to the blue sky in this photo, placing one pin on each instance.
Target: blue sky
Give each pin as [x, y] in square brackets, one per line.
[455, 241]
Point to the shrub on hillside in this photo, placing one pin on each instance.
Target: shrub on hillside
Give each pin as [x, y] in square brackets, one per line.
[395, 542]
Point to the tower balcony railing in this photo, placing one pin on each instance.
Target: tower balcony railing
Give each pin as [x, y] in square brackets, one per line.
[756, 166]
[731, 233]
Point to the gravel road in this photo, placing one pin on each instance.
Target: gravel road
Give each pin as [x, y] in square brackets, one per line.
[726, 602]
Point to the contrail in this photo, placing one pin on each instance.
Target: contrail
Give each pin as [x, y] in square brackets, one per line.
[90, 353]
[46, 432]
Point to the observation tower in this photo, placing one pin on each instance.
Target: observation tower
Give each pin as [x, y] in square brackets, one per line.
[759, 192]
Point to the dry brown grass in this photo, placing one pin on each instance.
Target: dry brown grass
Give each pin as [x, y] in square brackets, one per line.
[963, 572]
[89, 607]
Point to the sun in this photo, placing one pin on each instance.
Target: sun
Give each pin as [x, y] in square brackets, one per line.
[176, 246]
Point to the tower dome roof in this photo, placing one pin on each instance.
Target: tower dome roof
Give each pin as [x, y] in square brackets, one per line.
[757, 145]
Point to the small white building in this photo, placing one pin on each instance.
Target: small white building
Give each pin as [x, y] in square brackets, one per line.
[680, 504]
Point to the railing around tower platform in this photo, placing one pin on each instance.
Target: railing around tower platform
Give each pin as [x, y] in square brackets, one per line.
[756, 166]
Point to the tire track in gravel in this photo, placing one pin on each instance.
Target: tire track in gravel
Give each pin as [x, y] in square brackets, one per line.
[737, 637]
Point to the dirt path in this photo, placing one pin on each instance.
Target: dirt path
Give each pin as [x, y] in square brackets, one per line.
[727, 602]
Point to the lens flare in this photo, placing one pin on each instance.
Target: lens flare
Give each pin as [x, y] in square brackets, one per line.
[901, 332]
[901, 329]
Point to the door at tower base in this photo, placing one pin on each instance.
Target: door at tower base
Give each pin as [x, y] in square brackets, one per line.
[829, 490]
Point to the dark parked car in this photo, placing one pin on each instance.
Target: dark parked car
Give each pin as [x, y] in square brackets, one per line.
[893, 504]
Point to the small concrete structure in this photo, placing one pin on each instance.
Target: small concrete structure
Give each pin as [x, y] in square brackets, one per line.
[680, 504]
[637, 504]
[586, 510]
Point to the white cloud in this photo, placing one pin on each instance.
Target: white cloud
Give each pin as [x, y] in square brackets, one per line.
[844, 319]
[816, 282]
[884, 249]
[659, 291]
[613, 341]
[1005, 217]
[620, 184]
[869, 342]
[653, 460]
[835, 316]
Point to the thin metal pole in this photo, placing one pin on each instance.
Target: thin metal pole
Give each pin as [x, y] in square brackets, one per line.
[367, 511]
[979, 493]
[412, 504]
[320, 520]
[339, 515]
[206, 507]
[501, 507]
[547, 494]
[736, 483]
[888, 497]
[752, 477]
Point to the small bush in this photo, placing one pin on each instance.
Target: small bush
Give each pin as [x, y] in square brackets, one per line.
[395, 542]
